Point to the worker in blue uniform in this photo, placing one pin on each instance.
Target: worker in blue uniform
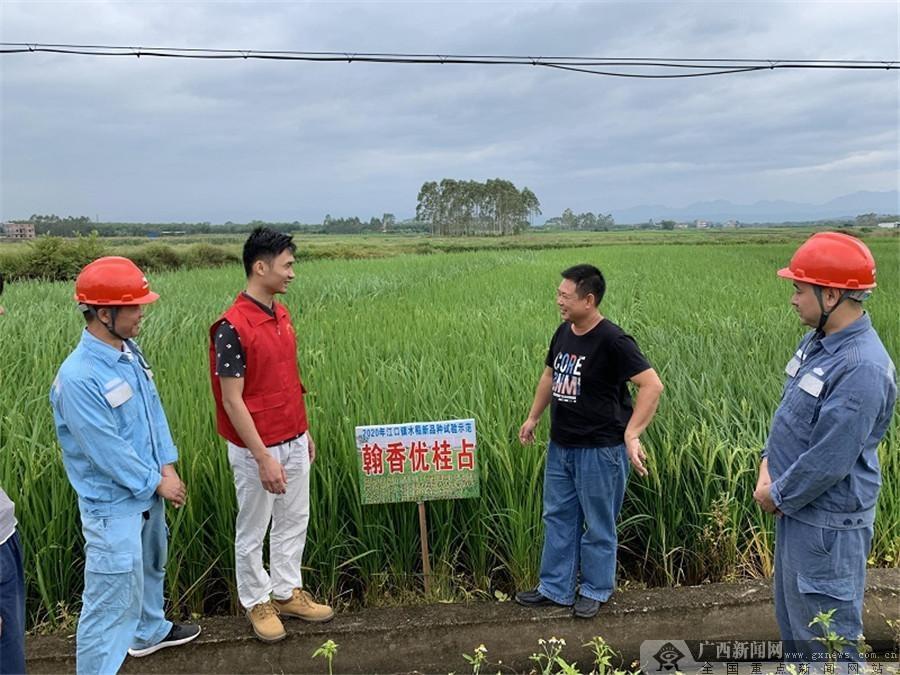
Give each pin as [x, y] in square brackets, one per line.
[119, 456]
[820, 474]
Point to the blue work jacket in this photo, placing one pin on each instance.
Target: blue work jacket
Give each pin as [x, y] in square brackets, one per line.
[111, 426]
[823, 445]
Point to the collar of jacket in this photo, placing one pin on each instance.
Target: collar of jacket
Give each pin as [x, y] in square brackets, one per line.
[831, 343]
[101, 349]
[255, 314]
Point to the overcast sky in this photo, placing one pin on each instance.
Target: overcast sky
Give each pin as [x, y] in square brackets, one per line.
[177, 140]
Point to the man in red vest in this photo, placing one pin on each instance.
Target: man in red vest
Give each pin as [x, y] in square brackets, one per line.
[260, 412]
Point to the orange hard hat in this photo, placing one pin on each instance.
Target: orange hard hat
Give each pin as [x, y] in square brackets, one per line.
[832, 259]
[113, 281]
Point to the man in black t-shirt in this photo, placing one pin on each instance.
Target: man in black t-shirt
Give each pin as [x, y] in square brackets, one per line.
[594, 433]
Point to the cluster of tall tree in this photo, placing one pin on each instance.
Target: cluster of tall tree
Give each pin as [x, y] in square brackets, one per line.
[582, 221]
[461, 207]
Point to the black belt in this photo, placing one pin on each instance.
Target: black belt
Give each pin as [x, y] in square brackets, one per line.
[288, 440]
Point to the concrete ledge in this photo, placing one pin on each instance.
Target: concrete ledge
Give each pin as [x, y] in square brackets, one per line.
[431, 639]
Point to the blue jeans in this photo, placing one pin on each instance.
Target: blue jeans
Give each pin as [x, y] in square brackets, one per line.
[583, 493]
[12, 607]
[122, 605]
[818, 569]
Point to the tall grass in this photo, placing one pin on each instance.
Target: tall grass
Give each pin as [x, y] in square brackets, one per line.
[431, 337]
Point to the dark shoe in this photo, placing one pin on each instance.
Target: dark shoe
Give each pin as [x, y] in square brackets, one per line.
[586, 608]
[535, 598]
[181, 633]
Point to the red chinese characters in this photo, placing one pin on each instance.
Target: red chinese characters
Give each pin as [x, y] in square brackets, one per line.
[418, 454]
[442, 456]
[417, 457]
[373, 460]
[396, 457]
[466, 458]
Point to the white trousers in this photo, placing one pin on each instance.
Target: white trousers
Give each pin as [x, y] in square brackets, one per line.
[288, 514]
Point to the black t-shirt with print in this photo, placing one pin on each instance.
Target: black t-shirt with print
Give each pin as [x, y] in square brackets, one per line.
[590, 404]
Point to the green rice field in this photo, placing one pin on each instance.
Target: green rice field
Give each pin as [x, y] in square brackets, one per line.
[449, 336]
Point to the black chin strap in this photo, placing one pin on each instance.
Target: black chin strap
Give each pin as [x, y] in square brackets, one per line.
[820, 329]
[111, 326]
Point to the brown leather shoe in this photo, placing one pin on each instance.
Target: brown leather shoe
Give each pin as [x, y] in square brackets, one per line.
[302, 606]
[266, 624]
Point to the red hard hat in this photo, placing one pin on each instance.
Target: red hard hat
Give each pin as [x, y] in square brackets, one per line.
[832, 259]
[113, 281]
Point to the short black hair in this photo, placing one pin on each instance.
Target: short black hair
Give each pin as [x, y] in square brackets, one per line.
[588, 279]
[264, 243]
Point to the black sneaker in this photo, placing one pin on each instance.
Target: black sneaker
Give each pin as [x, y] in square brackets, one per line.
[535, 598]
[586, 608]
[181, 633]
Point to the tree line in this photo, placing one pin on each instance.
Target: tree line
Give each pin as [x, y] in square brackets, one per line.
[445, 208]
[582, 221]
[466, 207]
[70, 226]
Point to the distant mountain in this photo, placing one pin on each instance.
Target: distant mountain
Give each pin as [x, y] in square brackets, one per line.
[847, 206]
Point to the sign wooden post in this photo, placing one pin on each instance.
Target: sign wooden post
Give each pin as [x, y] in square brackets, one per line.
[426, 560]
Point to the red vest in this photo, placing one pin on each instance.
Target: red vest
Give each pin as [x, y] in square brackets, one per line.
[273, 392]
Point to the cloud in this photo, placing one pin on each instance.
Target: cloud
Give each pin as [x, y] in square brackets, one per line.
[144, 139]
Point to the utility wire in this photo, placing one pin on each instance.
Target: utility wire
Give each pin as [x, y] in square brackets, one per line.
[632, 66]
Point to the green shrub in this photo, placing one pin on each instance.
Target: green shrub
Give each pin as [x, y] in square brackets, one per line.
[155, 257]
[54, 258]
[208, 255]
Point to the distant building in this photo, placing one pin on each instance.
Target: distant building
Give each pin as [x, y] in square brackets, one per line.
[730, 224]
[701, 224]
[17, 230]
[889, 225]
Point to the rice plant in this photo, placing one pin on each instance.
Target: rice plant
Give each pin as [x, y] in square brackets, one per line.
[457, 335]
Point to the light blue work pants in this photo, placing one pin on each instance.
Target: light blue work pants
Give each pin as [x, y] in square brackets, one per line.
[124, 571]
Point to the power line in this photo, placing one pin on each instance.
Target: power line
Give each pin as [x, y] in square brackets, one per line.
[640, 67]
